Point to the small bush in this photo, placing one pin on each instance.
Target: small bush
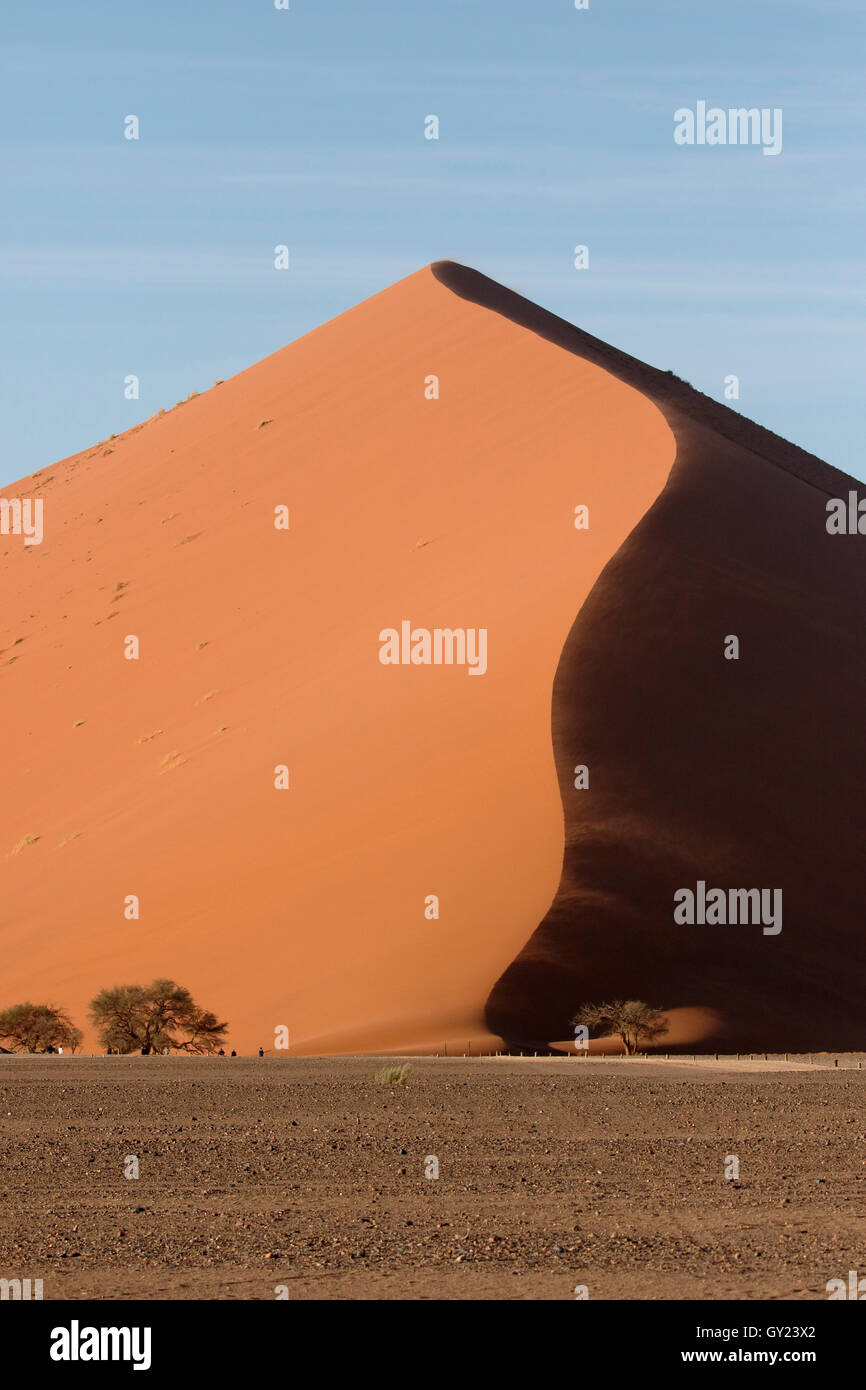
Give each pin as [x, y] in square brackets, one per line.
[394, 1076]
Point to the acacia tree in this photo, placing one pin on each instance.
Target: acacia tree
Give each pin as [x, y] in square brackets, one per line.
[631, 1020]
[149, 1018]
[38, 1027]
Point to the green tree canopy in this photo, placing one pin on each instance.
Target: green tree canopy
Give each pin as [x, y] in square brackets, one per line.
[36, 1027]
[135, 1018]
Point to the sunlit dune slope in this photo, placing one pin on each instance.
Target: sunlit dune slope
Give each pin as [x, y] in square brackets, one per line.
[259, 647]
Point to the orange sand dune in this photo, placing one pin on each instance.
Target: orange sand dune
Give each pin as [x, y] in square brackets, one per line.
[305, 907]
[308, 908]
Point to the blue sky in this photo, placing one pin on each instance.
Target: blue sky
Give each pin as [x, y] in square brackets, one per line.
[306, 127]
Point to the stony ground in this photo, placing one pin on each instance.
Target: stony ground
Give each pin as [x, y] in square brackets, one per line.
[552, 1174]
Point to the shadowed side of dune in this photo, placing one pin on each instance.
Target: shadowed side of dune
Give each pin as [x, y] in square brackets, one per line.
[742, 773]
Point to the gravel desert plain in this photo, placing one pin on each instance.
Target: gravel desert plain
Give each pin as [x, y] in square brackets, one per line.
[557, 1177]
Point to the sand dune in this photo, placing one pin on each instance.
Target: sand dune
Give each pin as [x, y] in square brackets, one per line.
[259, 647]
[309, 908]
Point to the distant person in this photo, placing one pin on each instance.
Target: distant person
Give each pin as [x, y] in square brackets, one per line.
[261, 1052]
[60, 1051]
[222, 1052]
[234, 1054]
[49, 1048]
